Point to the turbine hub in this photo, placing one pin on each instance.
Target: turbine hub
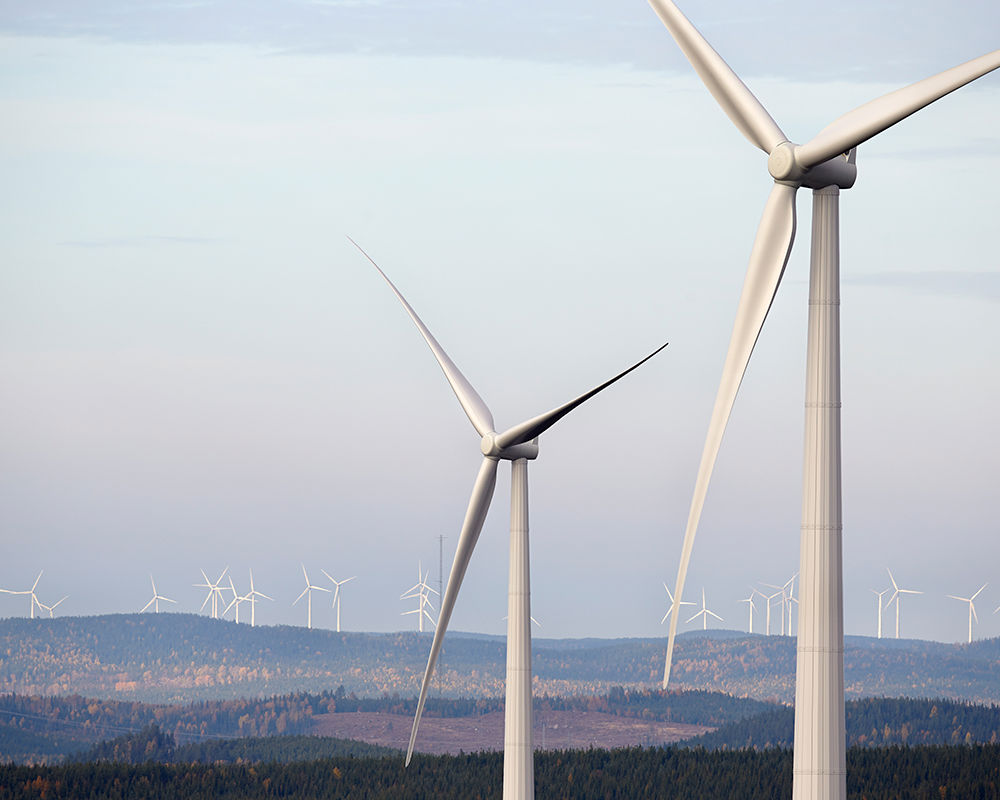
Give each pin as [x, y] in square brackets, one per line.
[488, 445]
[782, 165]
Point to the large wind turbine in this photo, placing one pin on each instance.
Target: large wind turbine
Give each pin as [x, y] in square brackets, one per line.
[33, 598]
[972, 607]
[518, 445]
[336, 592]
[825, 164]
[157, 597]
[309, 600]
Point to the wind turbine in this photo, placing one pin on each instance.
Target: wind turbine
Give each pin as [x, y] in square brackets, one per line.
[752, 606]
[518, 445]
[157, 597]
[51, 608]
[826, 164]
[309, 600]
[420, 590]
[336, 592]
[972, 608]
[674, 605]
[896, 594]
[770, 600]
[237, 599]
[880, 595]
[34, 599]
[252, 597]
[214, 592]
[704, 614]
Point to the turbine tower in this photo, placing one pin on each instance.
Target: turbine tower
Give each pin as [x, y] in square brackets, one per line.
[880, 595]
[826, 164]
[972, 607]
[517, 445]
[309, 600]
[896, 594]
[157, 597]
[336, 592]
[674, 605]
[420, 591]
[33, 601]
[704, 614]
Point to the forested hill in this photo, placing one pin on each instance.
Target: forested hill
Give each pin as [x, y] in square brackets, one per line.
[184, 657]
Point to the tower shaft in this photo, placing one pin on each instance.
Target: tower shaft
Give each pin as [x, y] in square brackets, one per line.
[518, 756]
[819, 770]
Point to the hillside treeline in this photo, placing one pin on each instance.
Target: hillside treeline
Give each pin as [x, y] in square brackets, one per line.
[43, 729]
[917, 773]
[871, 722]
[170, 658]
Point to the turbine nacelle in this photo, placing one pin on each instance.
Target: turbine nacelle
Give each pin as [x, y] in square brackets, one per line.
[786, 166]
[491, 448]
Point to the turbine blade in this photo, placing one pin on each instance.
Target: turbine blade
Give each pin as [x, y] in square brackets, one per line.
[476, 410]
[977, 593]
[972, 608]
[864, 122]
[147, 605]
[714, 615]
[475, 515]
[767, 264]
[729, 91]
[694, 617]
[527, 431]
[300, 596]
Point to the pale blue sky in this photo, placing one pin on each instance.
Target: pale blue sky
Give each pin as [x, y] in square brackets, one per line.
[199, 370]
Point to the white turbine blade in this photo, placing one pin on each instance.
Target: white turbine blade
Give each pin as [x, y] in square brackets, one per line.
[962, 599]
[694, 617]
[714, 615]
[767, 264]
[300, 596]
[221, 576]
[729, 91]
[527, 431]
[231, 604]
[147, 605]
[972, 608]
[872, 118]
[666, 615]
[167, 599]
[35, 584]
[475, 515]
[977, 593]
[209, 597]
[475, 408]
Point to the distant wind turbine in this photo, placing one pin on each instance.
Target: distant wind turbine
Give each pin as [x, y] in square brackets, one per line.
[752, 606]
[770, 599]
[704, 614]
[518, 445]
[308, 591]
[420, 591]
[972, 608]
[252, 596]
[896, 595]
[51, 609]
[336, 592]
[33, 601]
[880, 595]
[214, 592]
[157, 597]
[237, 599]
[674, 605]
